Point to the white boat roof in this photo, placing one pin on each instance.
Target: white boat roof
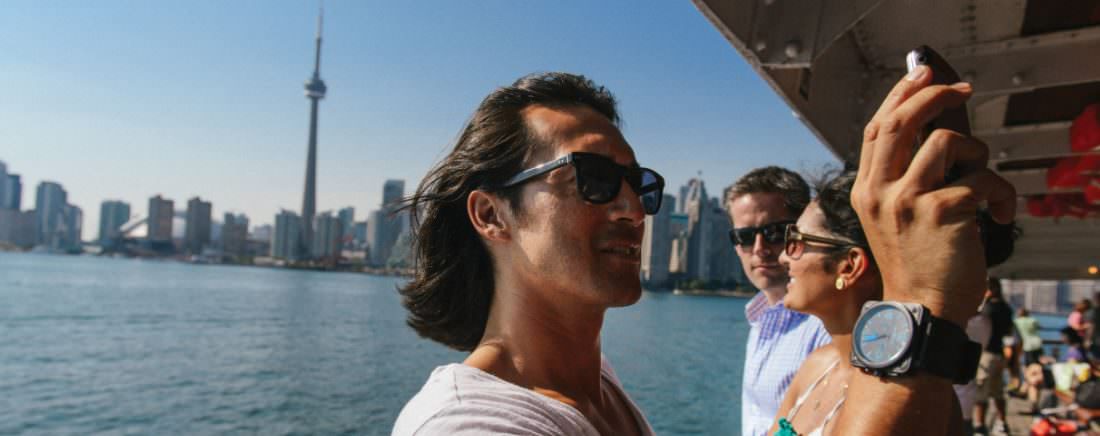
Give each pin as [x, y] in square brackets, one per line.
[1034, 66]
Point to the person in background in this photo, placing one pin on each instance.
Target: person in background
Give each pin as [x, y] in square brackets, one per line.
[1027, 327]
[979, 329]
[761, 204]
[1093, 327]
[1075, 346]
[1077, 319]
[990, 377]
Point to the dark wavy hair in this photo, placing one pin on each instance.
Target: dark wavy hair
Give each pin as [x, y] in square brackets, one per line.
[776, 180]
[834, 192]
[451, 292]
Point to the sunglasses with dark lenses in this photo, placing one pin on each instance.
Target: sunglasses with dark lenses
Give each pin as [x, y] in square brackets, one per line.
[795, 242]
[746, 236]
[599, 179]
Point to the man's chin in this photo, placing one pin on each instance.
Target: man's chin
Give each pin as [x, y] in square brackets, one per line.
[770, 283]
[627, 291]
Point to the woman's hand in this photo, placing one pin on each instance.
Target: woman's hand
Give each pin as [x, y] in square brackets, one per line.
[924, 232]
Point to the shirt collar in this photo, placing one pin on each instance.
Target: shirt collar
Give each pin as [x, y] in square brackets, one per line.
[759, 305]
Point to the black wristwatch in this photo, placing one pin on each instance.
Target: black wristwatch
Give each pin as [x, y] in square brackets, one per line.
[894, 339]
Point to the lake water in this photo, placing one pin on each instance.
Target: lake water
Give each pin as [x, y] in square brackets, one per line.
[122, 346]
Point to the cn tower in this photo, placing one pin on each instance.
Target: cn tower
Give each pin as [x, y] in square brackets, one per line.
[315, 91]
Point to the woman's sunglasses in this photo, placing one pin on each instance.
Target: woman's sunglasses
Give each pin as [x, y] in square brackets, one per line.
[599, 179]
[746, 236]
[795, 242]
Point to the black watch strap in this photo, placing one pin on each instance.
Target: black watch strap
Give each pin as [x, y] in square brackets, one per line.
[948, 352]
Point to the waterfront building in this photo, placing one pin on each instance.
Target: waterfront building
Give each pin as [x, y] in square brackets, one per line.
[657, 245]
[17, 227]
[49, 206]
[392, 192]
[261, 232]
[70, 233]
[347, 219]
[347, 224]
[197, 225]
[377, 252]
[234, 234]
[3, 185]
[701, 250]
[328, 239]
[11, 189]
[285, 240]
[315, 91]
[112, 215]
[159, 221]
[359, 234]
[386, 224]
[12, 193]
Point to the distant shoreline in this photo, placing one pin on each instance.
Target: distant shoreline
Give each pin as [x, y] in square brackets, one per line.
[736, 293]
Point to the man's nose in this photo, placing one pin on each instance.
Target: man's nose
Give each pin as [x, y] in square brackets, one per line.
[627, 206]
[760, 246]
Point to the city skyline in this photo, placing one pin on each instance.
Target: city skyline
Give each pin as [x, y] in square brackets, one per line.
[208, 106]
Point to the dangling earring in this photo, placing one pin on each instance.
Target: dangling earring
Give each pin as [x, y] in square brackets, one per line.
[840, 283]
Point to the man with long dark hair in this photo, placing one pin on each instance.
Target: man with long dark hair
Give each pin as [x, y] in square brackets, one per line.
[526, 233]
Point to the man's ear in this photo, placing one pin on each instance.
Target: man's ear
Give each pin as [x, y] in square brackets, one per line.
[489, 215]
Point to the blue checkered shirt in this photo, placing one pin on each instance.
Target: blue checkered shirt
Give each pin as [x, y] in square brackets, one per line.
[779, 341]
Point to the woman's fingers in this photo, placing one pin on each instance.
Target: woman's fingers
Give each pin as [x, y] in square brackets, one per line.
[943, 150]
[905, 88]
[964, 195]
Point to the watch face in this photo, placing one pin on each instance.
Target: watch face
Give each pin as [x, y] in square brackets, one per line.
[882, 335]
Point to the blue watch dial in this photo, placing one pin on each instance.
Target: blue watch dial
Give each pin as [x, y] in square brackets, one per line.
[882, 335]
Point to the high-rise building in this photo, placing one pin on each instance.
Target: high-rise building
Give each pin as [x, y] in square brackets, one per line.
[328, 236]
[196, 234]
[392, 191]
[386, 224]
[234, 237]
[261, 232]
[49, 205]
[359, 233]
[17, 227]
[72, 226]
[161, 212]
[657, 245]
[12, 193]
[703, 251]
[285, 240]
[315, 91]
[11, 189]
[347, 220]
[112, 215]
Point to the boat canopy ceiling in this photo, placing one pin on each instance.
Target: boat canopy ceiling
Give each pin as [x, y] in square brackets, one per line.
[1034, 66]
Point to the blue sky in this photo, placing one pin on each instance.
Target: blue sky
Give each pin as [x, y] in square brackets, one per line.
[128, 99]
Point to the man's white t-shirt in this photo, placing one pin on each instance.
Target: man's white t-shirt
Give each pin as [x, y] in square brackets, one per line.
[460, 399]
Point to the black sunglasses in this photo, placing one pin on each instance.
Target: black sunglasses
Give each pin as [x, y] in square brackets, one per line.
[795, 242]
[599, 179]
[746, 236]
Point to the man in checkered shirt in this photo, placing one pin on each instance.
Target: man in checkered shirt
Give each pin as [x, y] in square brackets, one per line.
[760, 205]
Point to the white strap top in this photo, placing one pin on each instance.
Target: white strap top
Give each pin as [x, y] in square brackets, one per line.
[805, 394]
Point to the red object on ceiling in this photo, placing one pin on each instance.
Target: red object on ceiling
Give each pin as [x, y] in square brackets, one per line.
[1084, 133]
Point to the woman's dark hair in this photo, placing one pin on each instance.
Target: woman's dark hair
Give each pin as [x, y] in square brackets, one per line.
[834, 192]
[451, 292]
